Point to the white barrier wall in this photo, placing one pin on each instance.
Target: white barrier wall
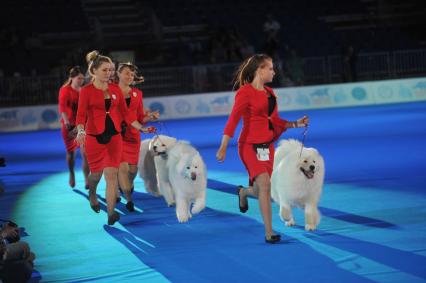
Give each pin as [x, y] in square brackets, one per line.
[220, 103]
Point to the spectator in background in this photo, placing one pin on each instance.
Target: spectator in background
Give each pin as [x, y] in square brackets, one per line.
[68, 102]
[16, 258]
[349, 59]
[294, 67]
[271, 28]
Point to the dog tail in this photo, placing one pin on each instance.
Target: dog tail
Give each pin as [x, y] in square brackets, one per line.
[285, 147]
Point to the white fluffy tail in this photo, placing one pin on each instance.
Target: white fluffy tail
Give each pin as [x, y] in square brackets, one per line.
[286, 147]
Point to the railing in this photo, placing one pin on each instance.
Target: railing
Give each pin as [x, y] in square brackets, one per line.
[209, 78]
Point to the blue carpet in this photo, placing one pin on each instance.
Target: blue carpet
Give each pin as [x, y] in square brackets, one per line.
[373, 209]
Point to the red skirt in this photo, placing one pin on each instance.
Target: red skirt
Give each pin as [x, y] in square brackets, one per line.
[70, 143]
[100, 156]
[254, 166]
[130, 152]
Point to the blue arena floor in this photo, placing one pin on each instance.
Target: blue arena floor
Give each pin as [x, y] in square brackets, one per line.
[373, 210]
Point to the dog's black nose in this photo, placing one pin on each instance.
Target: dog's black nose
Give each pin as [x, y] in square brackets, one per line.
[312, 167]
[154, 147]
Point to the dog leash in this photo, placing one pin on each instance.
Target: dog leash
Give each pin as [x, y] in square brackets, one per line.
[303, 140]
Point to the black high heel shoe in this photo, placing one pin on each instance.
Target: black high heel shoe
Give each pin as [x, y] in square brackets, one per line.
[113, 218]
[272, 239]
[96, 207]
[130, 206]
[243, 209]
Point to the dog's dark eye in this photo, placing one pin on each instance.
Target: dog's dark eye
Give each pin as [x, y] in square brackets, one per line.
[163, 144]
[188, 167]
[305, 161]
[314, 161]
[196, 166]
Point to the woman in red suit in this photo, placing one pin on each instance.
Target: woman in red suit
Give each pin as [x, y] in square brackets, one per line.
[68, 102]
[101, 109]
[131, 137]
[256, 104]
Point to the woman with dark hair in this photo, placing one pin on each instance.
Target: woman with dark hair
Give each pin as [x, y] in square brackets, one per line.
[127, 78]
[68, 102]
[256, 104]
[101, 109]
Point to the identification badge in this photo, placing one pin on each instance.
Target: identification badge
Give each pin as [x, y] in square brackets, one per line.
[262, 154]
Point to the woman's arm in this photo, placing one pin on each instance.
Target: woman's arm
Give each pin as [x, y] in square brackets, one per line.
[221, 153]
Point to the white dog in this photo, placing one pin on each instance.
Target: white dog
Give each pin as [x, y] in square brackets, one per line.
[297, 180]
[188, 176]
[153, 166]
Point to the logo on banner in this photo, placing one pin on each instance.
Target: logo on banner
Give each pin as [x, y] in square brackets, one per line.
[405, 92]
[321, 97]
[385, 91]
[8, 115]
[359, 93]
[420, 89]
[49, 116]
[202, 107]
[339, 96]
[182, 106]
[220, 104]
[157, 106]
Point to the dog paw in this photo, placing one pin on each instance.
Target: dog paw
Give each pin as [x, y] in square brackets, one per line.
[309, 227]
[290, 223]
[196, 209]
[182, 218]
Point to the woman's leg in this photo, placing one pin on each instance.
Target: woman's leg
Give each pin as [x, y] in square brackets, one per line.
[85, 167]
[70, 161]
[263, 185]
[111, 175]
[93, 180]
[249, 191]
[123, 180]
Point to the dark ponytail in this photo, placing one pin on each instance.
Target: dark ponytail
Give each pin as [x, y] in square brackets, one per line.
[72, 73]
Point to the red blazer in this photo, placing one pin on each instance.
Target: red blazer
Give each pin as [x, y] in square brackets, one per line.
[252, 105]
[91, 109]
[68, 102]
[135, 112]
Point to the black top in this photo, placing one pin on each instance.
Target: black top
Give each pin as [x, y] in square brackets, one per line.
[110, 130]
[271, 106]
[128, 101]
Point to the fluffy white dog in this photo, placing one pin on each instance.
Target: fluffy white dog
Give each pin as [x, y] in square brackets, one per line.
[297, 180]
[153, 166]
[188, 176]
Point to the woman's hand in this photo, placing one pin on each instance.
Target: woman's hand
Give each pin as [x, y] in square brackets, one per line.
[221, 154]
[302, 122]
[148, 130]
[152, 116]
[81, 137]
[72, 133]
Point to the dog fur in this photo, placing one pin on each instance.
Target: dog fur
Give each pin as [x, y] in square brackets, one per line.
[188, 177]
[297, 181]
[154, 170]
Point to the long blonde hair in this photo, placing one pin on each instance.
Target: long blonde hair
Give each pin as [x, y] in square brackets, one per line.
[247, 70]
